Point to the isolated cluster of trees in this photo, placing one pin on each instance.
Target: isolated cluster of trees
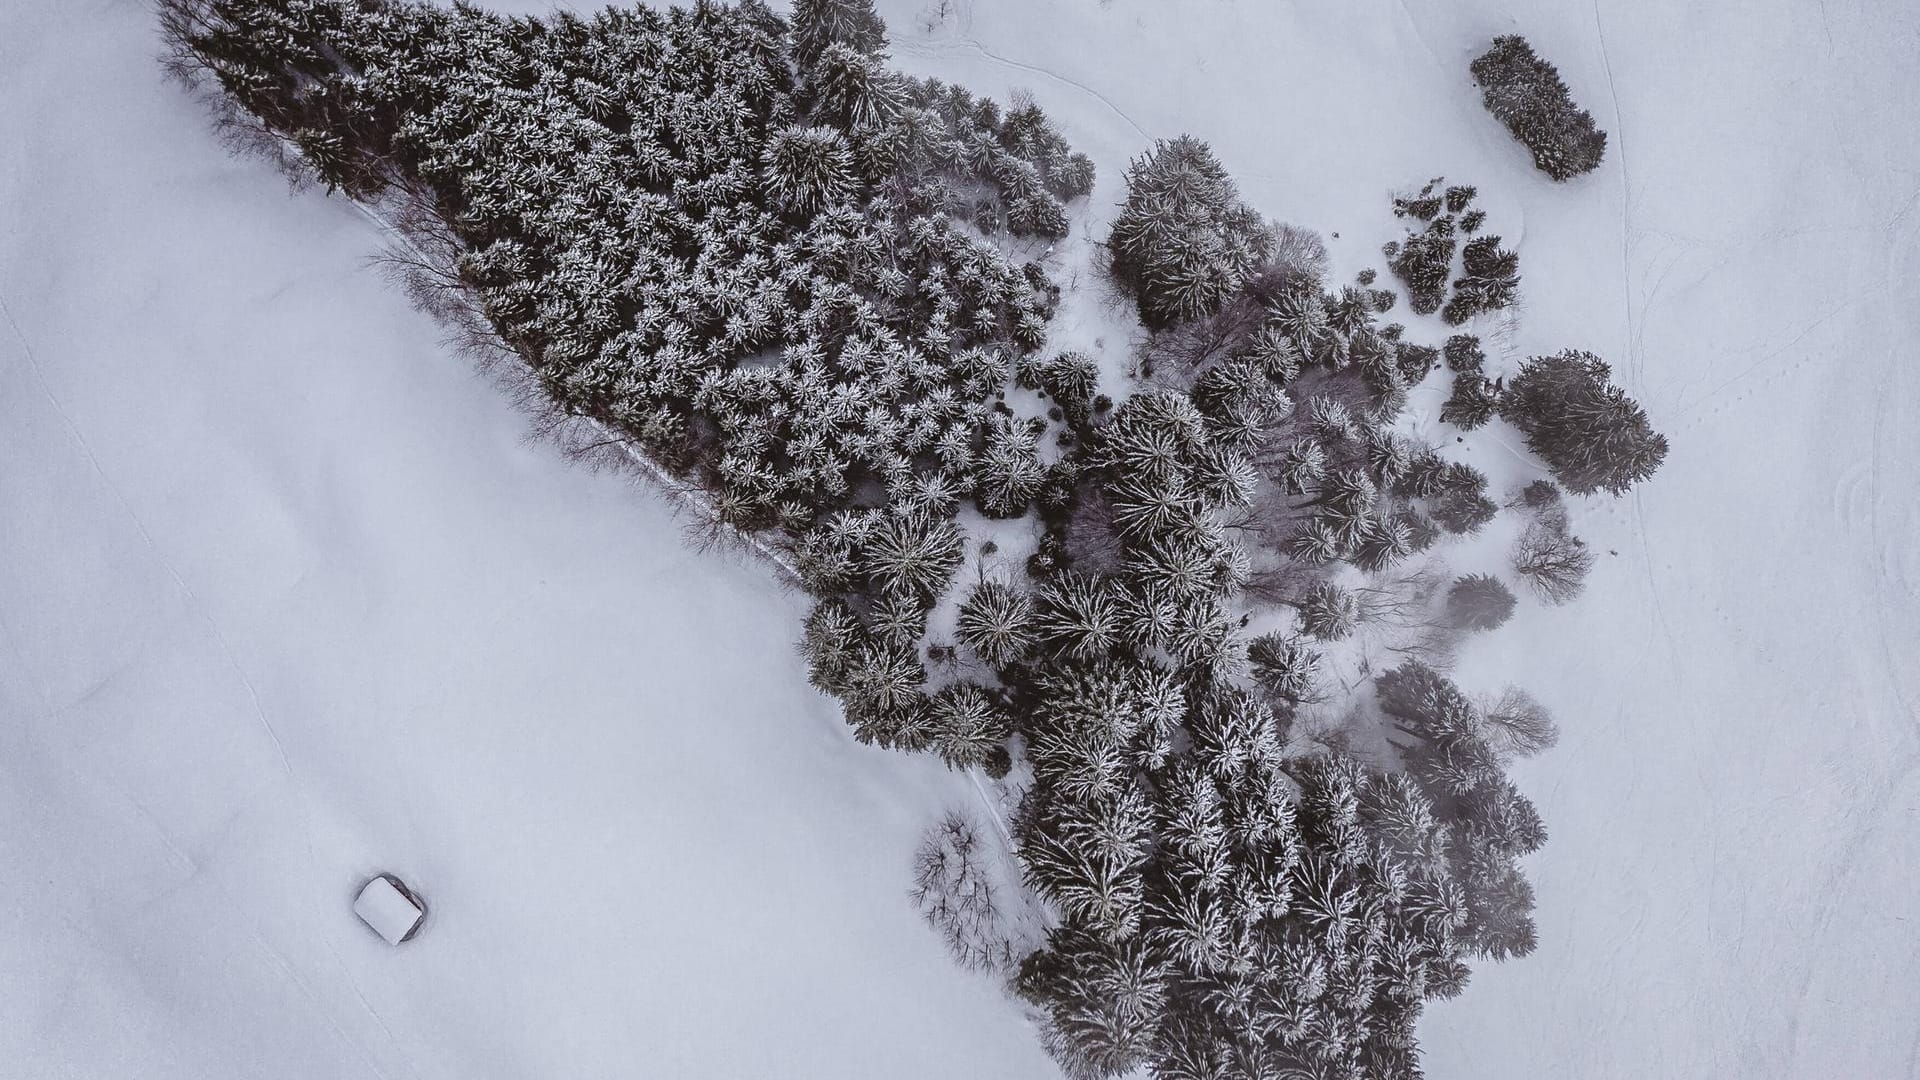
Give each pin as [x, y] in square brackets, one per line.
[1526, 93]
[794, 278]
[1489, 274]
[1590, 433]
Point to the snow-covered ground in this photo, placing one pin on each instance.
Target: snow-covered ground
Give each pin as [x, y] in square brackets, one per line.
[288, 598]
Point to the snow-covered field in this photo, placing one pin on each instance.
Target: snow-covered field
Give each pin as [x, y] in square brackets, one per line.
[288, 598]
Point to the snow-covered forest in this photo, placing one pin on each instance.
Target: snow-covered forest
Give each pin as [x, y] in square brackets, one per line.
[793, 281]
[1172, 526]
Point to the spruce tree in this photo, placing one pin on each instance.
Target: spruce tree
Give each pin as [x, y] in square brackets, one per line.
[1080, 617]
[1491, 281]
[1463, 353]
[808, 168]
[997, 623]
[1009, 473]
[1424, 262]
[1283, 664]
[832, 635]
[1472, 403]
[966, 728]
[1328, 612]
[1070, 379]
[913, 553]
[1461, 504]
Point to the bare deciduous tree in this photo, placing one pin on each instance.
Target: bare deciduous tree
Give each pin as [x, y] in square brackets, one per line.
[1516, 725]
[1553, 560]
[953, 892]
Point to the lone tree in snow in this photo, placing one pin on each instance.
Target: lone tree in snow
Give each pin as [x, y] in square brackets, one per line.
[1593, 436]
[1525, 93]
[1184, 241]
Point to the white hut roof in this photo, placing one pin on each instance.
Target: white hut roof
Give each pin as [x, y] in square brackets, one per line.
[387, 910]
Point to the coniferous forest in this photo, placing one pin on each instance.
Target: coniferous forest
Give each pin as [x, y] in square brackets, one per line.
[815, 293]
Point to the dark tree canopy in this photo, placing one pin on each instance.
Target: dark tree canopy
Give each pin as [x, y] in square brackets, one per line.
[1463, 353]
[1525, 93]
[1472, 403]
[1424, 262]
[820, 24]
[1491, 280]
[1593, 436]
[1216, 923]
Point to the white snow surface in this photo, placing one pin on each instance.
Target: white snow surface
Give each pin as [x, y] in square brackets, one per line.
[289, 598]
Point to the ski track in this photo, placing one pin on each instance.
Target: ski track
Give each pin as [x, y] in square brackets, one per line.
[146, 537]
[1626, 199]
[1687, 411]
[1635, 359]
